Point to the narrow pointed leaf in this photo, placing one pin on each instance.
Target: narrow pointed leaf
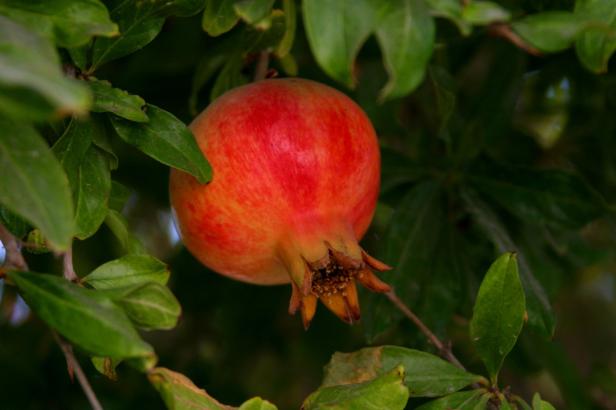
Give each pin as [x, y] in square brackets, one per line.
[540, 313]
[34, 185]
[85, 317]
[167, 140]
[119, 102]
[126, 271]
[498, 314]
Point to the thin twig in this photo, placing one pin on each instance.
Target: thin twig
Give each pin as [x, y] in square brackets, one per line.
[75, 368]
[444, 350]
[505, 31]
[262, 63]
[69, 271]
[15, 260]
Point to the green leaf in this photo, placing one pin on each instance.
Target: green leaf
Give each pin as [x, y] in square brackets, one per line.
[219, 16]
[462, 400]
[482, 13]
[106, 366]
[119, 102]
[88, 173]
[24, 104]
[126, 271]
[554, 197]
[91, 193]
[257, 403]
[119, 196]
[290, 23]
[85, 317]
[253, 11]
[336, 30]
[452, 10]
[68, 23]
[384, 392]
[34, 185]
[540, 314]
[595, 46]
[139, 22]
[119, 226]
[426, 375]
[29, 65]
[179, 393]
[550, 31]
[498, 314]
[167, 140]
[71, 147]
[149, 305]
[405, 32]
[539, 404]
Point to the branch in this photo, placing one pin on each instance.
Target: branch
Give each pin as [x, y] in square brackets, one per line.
[69, 271]
[262, 63]
[505, 31]
[74, 367]
[15, 260]
[444, 350]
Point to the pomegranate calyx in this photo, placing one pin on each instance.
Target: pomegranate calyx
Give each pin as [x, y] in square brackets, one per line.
[332, 279]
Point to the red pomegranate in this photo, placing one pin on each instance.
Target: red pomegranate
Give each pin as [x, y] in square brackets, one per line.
[296, 178]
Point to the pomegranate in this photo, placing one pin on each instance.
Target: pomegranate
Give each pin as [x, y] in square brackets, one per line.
[296, 178]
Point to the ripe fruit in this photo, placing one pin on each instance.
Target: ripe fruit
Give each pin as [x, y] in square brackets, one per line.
[296, 177]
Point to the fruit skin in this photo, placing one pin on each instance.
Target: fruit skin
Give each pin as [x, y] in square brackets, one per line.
[296, 175]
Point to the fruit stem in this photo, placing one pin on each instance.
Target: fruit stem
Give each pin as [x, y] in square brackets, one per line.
[262, 64]
[444, 349]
